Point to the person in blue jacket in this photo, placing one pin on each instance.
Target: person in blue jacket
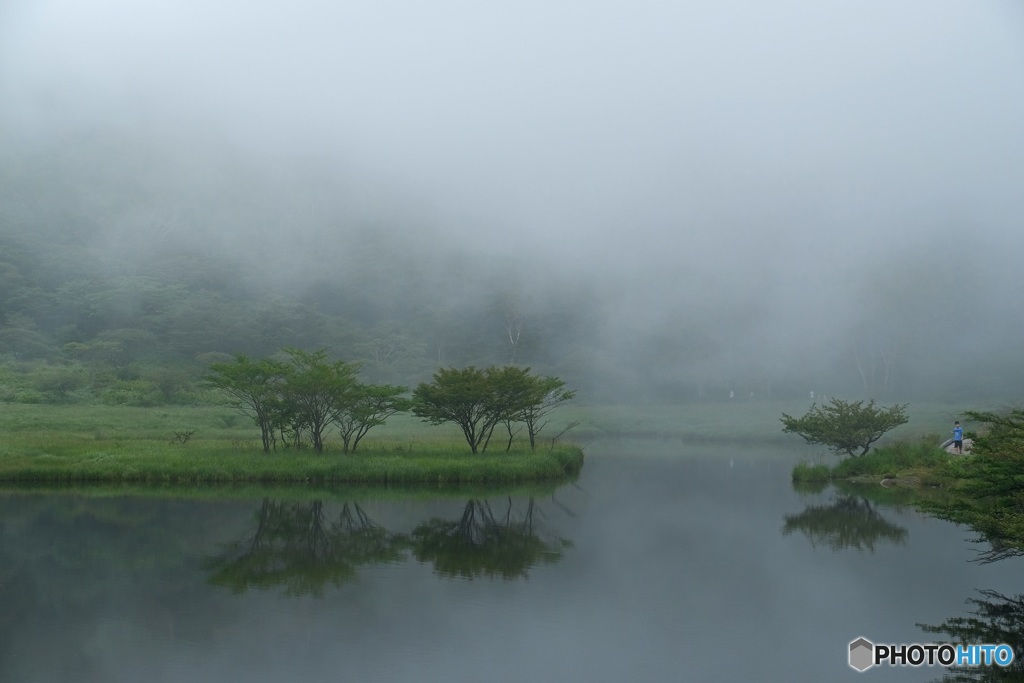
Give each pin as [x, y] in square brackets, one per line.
[958, 437]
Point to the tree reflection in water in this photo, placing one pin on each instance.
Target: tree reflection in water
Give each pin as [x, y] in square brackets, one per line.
[1003, 536]
[295, 546]
[995, 619]
[849, 522]
[482, 544]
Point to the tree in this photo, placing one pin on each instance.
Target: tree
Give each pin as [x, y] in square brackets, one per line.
[993, 493]
[478, 400]
[846, 426]
[459, 396]
[370, 405]
[514, 327]
[547, 394]
[304, 396]
[255, 387]
[512, 391]
[58, 382]
[126, 344]
[317, 391]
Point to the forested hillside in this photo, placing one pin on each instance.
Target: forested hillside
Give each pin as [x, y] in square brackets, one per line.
[123, 273]
[127, 266]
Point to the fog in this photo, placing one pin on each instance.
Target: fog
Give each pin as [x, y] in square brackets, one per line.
[729, 195]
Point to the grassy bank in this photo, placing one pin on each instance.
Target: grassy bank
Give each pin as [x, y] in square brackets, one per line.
[69, 444]
[740, 421]
[65, 459]
[80, 443]
[984, 490]
[298, 491]
[914, 463]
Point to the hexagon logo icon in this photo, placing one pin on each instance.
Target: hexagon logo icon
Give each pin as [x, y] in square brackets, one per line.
[862, 654]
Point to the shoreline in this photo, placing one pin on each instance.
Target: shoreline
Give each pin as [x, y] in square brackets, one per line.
[141, 462]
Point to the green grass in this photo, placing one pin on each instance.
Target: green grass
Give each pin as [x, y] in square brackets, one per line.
[89, 443]
[921, 461]
[738, 421]
[65, 458]
[716, 421]
[361, 491]
[804, 472]
[899, 458]
[77, 444]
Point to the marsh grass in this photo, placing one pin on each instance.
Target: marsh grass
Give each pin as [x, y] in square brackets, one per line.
[899, 458]
[922, 461]
[120, 443]
[808, 473]
[740, 421]
[126, 444]
[67, 459]
[283, 491]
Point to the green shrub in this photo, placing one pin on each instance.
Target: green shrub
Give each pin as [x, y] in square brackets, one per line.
[130, 397]
[805, 472]
[897, 457]
[955, 468]
[29, 396]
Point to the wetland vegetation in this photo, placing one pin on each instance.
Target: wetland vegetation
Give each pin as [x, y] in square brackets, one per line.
[983, 489]
[122, 444]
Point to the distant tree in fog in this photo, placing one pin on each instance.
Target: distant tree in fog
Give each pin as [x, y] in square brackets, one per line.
[547, 393]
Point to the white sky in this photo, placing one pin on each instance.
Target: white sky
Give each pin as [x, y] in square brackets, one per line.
[570, 117]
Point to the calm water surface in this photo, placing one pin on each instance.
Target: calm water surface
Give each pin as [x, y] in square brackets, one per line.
[661, 563]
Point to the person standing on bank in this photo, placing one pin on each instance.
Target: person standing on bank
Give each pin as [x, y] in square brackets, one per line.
[958, 437]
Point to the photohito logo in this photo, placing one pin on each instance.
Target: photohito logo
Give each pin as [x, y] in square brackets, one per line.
[864, 654]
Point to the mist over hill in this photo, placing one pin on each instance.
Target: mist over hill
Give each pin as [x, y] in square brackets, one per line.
[660, 203]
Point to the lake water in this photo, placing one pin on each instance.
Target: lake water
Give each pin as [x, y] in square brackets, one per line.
[661, 563]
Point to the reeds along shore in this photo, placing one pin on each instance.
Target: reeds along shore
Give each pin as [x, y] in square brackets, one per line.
[213, 444]
[64, 460]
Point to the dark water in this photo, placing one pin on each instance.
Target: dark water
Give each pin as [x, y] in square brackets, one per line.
[654, 566]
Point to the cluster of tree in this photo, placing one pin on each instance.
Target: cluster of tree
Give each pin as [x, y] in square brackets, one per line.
[300, 398]
[479, 400]
[101, 332]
